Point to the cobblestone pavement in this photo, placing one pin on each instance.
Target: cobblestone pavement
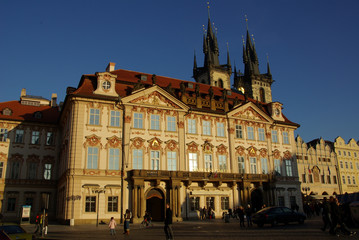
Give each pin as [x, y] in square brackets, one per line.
[209, 229]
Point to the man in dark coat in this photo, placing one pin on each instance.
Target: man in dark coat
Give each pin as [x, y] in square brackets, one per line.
[326, 214]
[168, 223]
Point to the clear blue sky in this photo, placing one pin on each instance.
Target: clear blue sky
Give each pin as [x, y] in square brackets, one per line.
[45, 46]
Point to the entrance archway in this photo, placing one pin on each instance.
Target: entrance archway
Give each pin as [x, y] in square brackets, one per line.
[256, 199]
[155, 204]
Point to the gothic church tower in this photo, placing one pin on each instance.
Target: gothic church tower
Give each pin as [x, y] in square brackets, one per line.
[212, 73]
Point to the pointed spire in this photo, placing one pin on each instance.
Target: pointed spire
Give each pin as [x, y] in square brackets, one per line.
[228, 59]
[194, 61]
[268, 68]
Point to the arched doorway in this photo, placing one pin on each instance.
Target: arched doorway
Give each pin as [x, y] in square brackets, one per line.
[256, 199]
[155, 204]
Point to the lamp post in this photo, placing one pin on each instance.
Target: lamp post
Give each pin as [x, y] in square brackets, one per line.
[98, 191]
[306, 189]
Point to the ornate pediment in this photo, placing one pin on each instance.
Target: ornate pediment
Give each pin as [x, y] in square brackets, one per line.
[252, 151]
[221, 149]
[207, 147]
[192, 147]
[154, 143]
[249, 113]
[287, 155]
[155, 99]
[114, 142]
[171, 145]
[92, 140]
[137, 142]
[240, 150]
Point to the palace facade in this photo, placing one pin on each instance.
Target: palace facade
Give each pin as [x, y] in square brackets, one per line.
[130, 140]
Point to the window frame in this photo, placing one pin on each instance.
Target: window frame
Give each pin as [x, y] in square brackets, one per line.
[220, 129]
[115, 118]
[137, 159]
[92, 157]
[155, 122]
[94, 117]
[138, 120]
[206, 128]
[261, 134]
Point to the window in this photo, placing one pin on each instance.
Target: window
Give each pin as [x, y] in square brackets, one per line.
[208, 162]
[112, 204]
[349, 154]
[341, 164]
[335, 179]
[210, 202]
[192, 126]
[343, 178]
[114, 159]
[94, 116]
[274, 136]
[194, 201]
[92, 157]
[206, 127]
[239, 131]
[354, 180]
[288, 168]
[253, 162]
[11, 203]
[19, 136]
[137, 158]
[171, 161]
[3, 134]
[193, 164]
[345, 153]
[357, 165]
[35, 137]
[32, 170]
[346, 165]
[293, 201]
[261, 136]
[171, 123]
[323, 178]
[90, 205]
[281, 201]
[47, 171]
[115, 119]
[328, 180]
[277, 167]
[241, 167]
[155, 160]
[310, 178]
[250, 133]
[138, 120]
[304, 178]
[349, 180]
[155, 122]
[220, 129]
[1, 168]
[351, 165]
[285, 138]
[264, 164]
[225, 203]
[222, 163]
[49, 138]
[15, 170]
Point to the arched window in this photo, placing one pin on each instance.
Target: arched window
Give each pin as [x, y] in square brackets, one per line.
[262, 96]
[220, 83]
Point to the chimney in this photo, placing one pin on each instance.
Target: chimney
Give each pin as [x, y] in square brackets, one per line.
[23, 92]
[54, 100]
[110, 67]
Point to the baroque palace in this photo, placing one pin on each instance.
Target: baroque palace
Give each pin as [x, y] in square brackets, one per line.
[130, 140]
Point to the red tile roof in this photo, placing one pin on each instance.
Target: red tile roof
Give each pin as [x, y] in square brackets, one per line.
[126, 80]
[22, 112]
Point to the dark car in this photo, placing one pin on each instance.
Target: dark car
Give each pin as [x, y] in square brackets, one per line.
[275, 215]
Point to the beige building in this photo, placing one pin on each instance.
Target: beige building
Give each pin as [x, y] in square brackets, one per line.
[130, 140]
[348, 164]
[29, 150]
[317, 168]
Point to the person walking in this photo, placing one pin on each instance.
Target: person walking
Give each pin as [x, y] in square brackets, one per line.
[326, 214]
[112, 226]
[249, 215]
[37, 222]
[126, 225]
[241, 216]
[46, 223]
[168, 223]
[204, 213]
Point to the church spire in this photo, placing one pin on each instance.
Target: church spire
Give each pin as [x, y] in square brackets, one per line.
[250, 58]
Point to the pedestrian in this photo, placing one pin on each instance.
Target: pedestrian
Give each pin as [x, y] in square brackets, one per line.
[168, 223]
[126, 225]
[248, 212]
[326, 214]
[241, 216]
[37, 223]
[46, 223]
[112, 226]
[204, 211]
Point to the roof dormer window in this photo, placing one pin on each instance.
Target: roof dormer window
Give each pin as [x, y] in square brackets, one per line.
[7, 112]
[37, 115]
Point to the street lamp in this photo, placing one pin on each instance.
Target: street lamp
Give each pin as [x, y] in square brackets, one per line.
[98, 191]
[306, 189]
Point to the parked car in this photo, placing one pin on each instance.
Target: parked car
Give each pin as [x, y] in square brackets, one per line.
[14, 231]
[275, 215]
